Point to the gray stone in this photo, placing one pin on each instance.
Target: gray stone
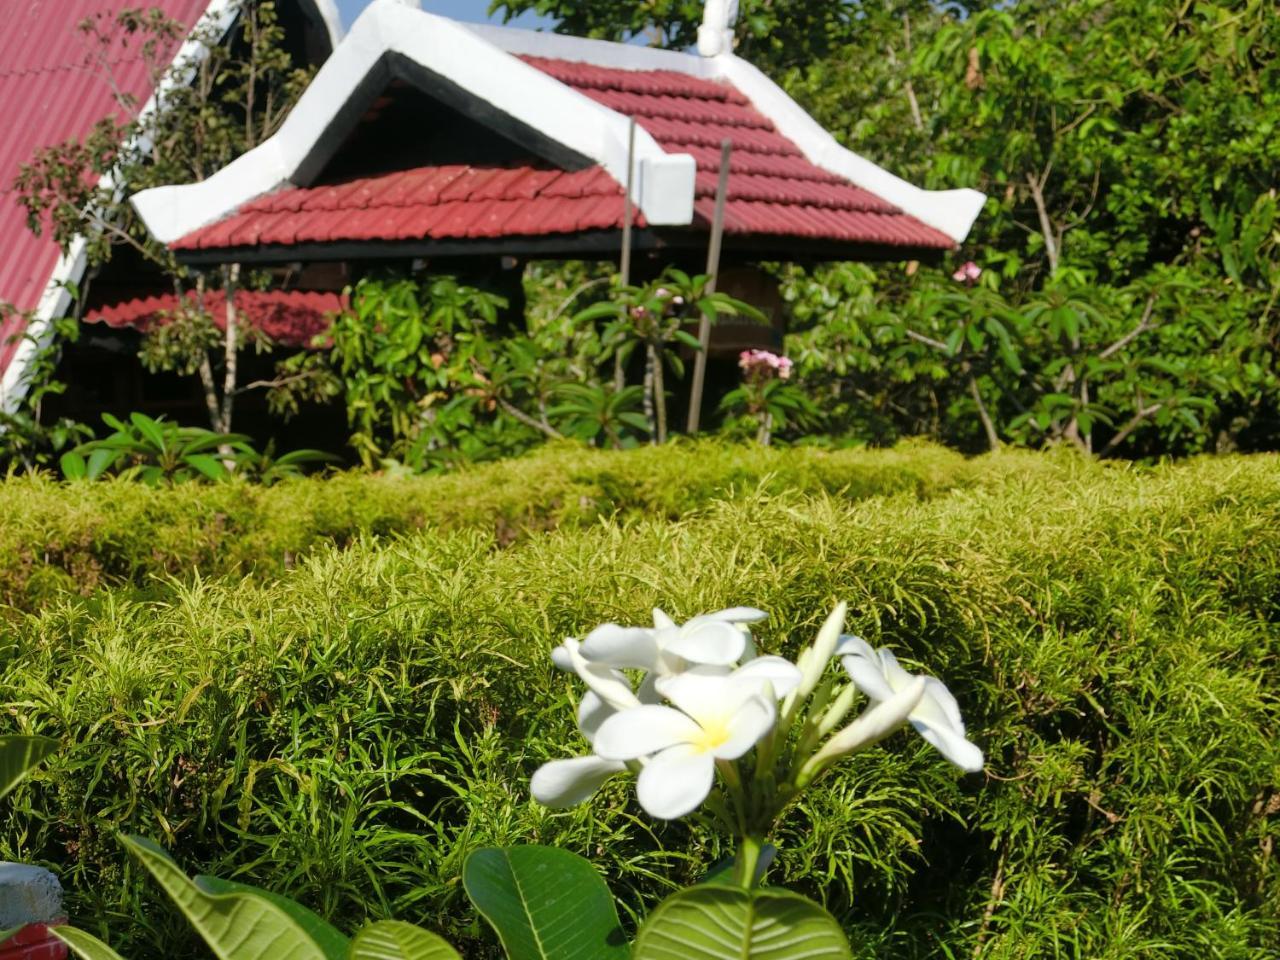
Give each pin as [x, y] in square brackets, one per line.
[28, 895]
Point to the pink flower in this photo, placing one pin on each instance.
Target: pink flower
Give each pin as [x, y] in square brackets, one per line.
[968, 273]
[764, 364]
[662, 293]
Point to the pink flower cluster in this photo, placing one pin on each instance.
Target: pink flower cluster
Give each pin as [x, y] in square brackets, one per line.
[762, 363]
[968, 273]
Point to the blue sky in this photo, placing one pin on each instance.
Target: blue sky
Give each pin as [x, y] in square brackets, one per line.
[474, 10]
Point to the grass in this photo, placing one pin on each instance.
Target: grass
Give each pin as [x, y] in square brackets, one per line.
[347, 729]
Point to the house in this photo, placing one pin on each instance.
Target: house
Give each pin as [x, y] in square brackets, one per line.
[54, 87]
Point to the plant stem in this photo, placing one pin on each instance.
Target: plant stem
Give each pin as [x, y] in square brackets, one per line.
[745, 864]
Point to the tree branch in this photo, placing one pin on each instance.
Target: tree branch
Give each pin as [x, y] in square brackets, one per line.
[1143, 326]
[1135, 421]
[927, 341]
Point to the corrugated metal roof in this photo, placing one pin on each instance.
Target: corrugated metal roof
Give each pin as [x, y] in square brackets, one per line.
[292, 318]
[773, 190]
[52, 89]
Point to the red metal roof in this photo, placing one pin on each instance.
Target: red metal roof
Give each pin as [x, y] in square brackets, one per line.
[292, 318]
[51, 90]
[773, 190]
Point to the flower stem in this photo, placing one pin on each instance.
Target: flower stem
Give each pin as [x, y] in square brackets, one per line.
[745, 864]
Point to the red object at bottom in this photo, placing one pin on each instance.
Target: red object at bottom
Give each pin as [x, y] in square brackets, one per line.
[34, 942]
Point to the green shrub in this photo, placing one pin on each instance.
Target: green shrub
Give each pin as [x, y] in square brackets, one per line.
[346, 731]
[57, 538]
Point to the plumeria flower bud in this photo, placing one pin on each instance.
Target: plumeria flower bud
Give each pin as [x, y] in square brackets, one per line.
[870, 728]
[714, 718]
[814, 660]
[936, 716]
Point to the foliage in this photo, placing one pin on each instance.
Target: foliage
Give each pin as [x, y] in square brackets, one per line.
[1133, 262]
[153, 451]
[766, 401]
[652, 319]
[121, 534]
[156, 451]
[339, 727]
[26, 441]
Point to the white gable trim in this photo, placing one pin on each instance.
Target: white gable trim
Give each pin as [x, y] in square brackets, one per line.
[951, 211]
[662, 188]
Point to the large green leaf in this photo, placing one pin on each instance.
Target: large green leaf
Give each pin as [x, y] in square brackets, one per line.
[712, 922]
[330, 939]
[545, 903]
[18, 754]
[84, 945]
[237, 924]
[396, 940]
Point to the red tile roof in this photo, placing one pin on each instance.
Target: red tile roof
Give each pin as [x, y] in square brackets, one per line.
[51, 91]
[773, 190]
[292, 318]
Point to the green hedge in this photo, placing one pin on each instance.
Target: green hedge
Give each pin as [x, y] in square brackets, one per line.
[57, 537]
[347, 730]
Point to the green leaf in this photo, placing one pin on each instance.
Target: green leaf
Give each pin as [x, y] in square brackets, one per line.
[545, 903]
[99, 462]
[395, 940]
[73, 465]
[712, 922]
[18, 754]
[236, 925]
[6, 934]
[150, 429]
[329, 937]
[211, 467]
[84, 945]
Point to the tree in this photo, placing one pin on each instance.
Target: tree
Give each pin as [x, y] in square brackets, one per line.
[229, 97]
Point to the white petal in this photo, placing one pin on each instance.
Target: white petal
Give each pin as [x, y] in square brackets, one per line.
[605, 682]
[867, 677]
[708, 696]
[937, 691]
[894, 675]
[713, 641]
[736, 615]
[850, 645]
[643, 730]
[782, 673]
[592, 712]
[648, 692]
[562, 659]
[675, 782]
[566, 783]
[824, 645]
[752, 721]
[620, 646]
[953, 746]
[661, 621]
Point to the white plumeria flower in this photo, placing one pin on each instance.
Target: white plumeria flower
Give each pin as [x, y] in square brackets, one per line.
[602, 679]
[714, 639]
[936, 716]
[716, 717]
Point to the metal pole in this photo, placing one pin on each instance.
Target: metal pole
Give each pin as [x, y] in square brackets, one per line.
[713, 269]
[625, 267]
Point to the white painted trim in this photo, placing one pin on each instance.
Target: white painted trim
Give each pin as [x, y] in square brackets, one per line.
[483, 60]
[951, 211]
[662, 188]
[601, 53]
[56, 299]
